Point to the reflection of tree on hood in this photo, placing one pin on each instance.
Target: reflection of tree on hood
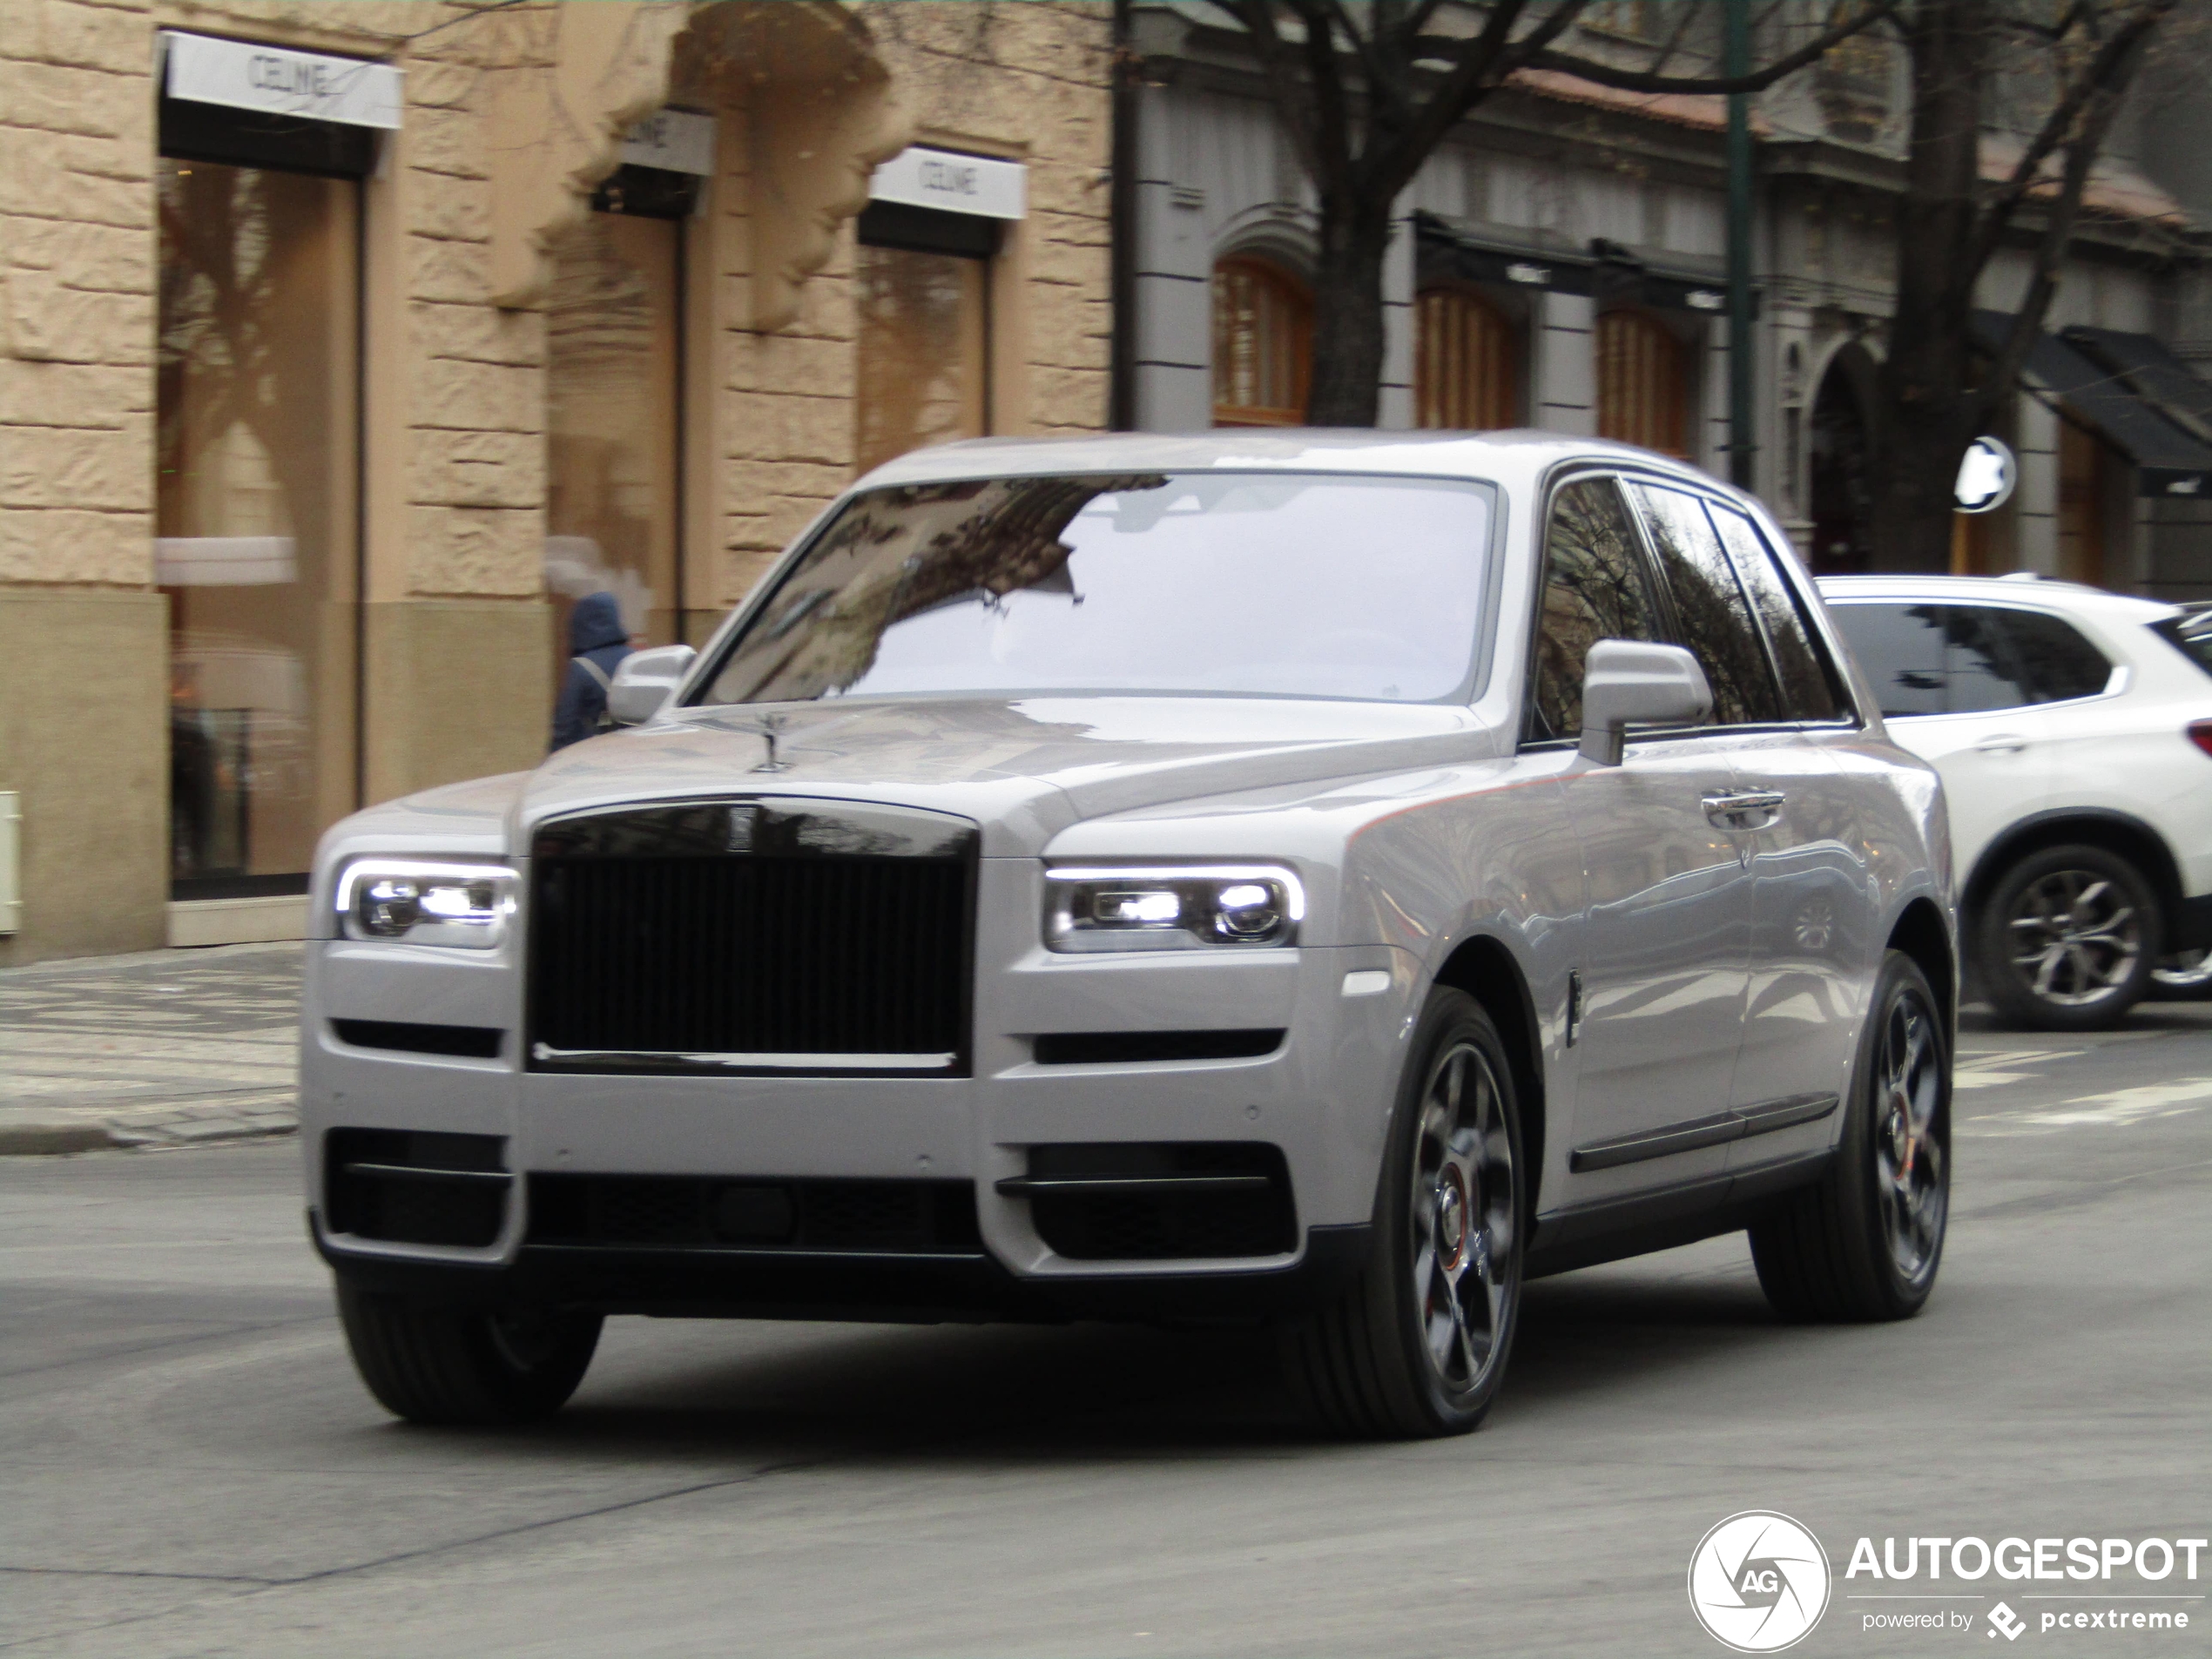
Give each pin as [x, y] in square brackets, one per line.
[991, 538]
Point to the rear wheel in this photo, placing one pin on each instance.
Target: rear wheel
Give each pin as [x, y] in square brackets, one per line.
[1865, 1244]
[2186, 976]
[2068, 939]
[466, 1366]
[1418, 1345]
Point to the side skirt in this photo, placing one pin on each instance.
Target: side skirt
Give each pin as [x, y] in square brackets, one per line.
[1672, 1215]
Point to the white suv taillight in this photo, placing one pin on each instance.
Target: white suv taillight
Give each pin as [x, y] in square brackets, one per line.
[2200, 734]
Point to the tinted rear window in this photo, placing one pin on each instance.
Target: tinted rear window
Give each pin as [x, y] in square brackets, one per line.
[2057, 662]
[2190, 635]
[1967, 660]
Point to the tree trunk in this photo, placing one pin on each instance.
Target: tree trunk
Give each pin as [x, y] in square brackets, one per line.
[1929, 412]
[1348, 315]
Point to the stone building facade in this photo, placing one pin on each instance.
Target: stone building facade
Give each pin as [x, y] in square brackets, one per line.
[317, 416]
[1560, 263]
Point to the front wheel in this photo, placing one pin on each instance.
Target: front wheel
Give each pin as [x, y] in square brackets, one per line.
[431, 1364]
[1865, 1244]
[1418, 1345]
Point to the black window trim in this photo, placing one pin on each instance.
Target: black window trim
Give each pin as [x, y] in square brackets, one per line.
[1622, 475]
[2123, 671]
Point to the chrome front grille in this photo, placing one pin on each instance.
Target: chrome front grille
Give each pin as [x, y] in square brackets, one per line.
[752, 936]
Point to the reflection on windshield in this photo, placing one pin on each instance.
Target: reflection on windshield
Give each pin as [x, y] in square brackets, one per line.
[1232, 584]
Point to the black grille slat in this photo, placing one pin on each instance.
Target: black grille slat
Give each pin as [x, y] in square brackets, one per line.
[750, 954]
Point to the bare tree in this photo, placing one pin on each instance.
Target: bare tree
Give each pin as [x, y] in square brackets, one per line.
[1366, 90]
[1937, 393]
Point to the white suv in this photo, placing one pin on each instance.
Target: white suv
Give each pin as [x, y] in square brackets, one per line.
[2073, 731]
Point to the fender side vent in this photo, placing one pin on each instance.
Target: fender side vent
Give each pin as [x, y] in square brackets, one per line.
[1130, 1048]
[468, 1042]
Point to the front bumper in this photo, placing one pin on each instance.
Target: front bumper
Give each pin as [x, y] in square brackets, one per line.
[1322, 1098]
[784, 1285]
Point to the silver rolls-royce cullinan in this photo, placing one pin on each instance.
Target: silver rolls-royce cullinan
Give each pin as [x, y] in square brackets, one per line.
[1323, 880]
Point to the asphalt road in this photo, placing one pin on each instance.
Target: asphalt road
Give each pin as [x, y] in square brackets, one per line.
[190, 1466]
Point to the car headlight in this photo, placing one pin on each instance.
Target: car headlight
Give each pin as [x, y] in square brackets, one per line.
[1181, 907]
[426, 903]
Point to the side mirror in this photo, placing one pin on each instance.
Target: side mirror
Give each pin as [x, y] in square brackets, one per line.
[1627, 682]
[645, 680]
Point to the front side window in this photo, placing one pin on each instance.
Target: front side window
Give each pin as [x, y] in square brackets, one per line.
[1809, 689]
[1222, 583]
[1934, 659]
[1713, 617]
[1595, 586]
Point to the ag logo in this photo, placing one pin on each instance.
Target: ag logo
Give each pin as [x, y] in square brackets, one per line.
[1759, 1581]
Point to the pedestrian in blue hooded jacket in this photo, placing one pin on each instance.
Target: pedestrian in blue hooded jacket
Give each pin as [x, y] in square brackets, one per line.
[597, 643]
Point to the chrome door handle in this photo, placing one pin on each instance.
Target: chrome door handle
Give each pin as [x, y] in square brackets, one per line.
[2003, 744]
[1752, 809]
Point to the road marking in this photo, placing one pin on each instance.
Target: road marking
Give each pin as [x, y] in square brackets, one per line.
[2115, 1109]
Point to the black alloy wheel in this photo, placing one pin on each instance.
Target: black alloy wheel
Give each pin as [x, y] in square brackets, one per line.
[2068, 940]
[1865, 1244]
[476, 1367]
[1417, 1346]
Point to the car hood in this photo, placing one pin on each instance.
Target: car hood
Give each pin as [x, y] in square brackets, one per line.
[1024, 768]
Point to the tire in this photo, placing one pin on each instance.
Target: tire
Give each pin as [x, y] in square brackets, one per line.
[466, 1366]
[1418, 1345]
[2186, 976]
[1865, 1244]
[2068, 939]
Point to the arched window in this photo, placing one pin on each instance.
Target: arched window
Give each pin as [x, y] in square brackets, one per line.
[1467, 363]
[1643, 383]
[1263, 344]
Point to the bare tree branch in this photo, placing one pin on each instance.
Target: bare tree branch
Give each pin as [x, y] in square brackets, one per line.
[2113, 59]
[1628, 80]
[2081, 151]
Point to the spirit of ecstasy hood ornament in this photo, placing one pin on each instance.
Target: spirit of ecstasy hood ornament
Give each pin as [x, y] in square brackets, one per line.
[770, 728]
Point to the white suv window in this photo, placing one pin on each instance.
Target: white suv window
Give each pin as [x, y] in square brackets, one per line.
[1966, 659]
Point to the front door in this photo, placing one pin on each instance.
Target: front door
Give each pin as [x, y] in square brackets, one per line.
[1664, 935]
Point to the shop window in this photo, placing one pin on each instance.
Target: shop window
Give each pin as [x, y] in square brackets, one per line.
[1467, 363]
[1263, 344]
[256, 512]
[1643, 383]
[612, 393]
[922, 285]
[2085, 503]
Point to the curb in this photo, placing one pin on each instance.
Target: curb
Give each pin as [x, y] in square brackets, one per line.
[53, 1139]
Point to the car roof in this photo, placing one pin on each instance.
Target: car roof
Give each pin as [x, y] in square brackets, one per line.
[1502, 457]
[2033, 593]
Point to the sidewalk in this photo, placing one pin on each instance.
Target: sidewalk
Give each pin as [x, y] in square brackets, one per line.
[173, 1048]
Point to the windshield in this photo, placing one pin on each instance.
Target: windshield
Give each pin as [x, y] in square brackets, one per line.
[1230, 583]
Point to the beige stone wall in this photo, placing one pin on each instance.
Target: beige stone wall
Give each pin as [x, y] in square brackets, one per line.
[75, 294]
[512, 114]
[1025, 79]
